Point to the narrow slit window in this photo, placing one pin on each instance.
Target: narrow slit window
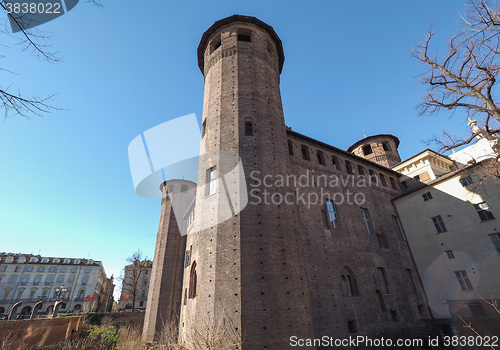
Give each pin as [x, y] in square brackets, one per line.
[290, 147]
[248, 128]
[321, 158]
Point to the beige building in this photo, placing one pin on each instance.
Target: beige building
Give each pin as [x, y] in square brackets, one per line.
[450, 214]
[135, 281]
[29, 279]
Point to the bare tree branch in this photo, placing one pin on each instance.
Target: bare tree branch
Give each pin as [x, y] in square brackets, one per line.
[465, 79]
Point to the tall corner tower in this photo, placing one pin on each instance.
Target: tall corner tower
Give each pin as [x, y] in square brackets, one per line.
[165, 286]
[248, 270]
[381, 149]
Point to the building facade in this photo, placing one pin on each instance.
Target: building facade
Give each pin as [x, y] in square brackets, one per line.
[135, 281]
[313, 246]
[28, 279]
[450, 212]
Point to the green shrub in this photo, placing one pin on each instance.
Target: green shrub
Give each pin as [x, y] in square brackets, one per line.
[107, 336]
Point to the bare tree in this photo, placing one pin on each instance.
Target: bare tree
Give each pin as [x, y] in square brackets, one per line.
[466, 78]
[131, 280]
[37, 43]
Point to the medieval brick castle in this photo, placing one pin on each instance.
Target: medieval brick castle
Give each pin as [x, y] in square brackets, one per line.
[279, 268]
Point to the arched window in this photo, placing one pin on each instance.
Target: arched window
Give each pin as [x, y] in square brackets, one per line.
[373, 177]
[383, 179]
[348, 166]
[248, 127]
[381, 300]
[192, 281]
[321, 157]
[336, 163]
[381, 240]
[361, 170]
[305, 152]
[349, 285]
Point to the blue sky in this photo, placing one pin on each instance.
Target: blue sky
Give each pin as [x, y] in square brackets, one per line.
[65, 184]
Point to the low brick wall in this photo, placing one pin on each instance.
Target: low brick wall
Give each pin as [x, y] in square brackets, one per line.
[31, 333]
[119, 319]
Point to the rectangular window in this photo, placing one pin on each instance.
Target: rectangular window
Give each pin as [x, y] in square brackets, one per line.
[29, 268]
[81, 293]
[211, 181]
[450, 254]
[73, 270]
[495, 238]
[427, 196]
[52, 269]
[367, 220]
[60, 279]
[336, 163]
[6, 295]
[410, 276]
[87, 270]
[439, 224]
[321, 158]
[290, 148]
[463, 280]
[85, 280]
[41, 269]
[305, 152]
[4, 268]
[44, 293]
[483, 211]
[25, 281]
[71, 279]
[19, 294]
[399, 228]
[32, 294]
[331, 210]
[348, 166]
[37, 281]
[12, 280]
[383, 280]
[466, 181]
[16, 269]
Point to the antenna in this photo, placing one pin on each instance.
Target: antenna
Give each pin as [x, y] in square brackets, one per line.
[364, 133]
[88, 255]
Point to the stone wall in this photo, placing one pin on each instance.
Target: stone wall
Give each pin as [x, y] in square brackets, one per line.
[31, 333]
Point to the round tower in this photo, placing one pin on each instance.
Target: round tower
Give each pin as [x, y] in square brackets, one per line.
[248, 271]
[381, 149]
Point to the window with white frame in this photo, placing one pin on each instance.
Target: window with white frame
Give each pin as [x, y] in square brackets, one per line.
[211, 181]
[463, 280]
[367, 220]
[439, 224]
[483, 210]
[331, 210]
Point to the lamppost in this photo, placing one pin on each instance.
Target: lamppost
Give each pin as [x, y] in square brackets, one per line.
[59, 291]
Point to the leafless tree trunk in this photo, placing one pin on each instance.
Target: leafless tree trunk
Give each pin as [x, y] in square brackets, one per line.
[132, 275]
[466, 78]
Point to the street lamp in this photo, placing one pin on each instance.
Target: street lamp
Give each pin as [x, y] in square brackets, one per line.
[60, 290]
